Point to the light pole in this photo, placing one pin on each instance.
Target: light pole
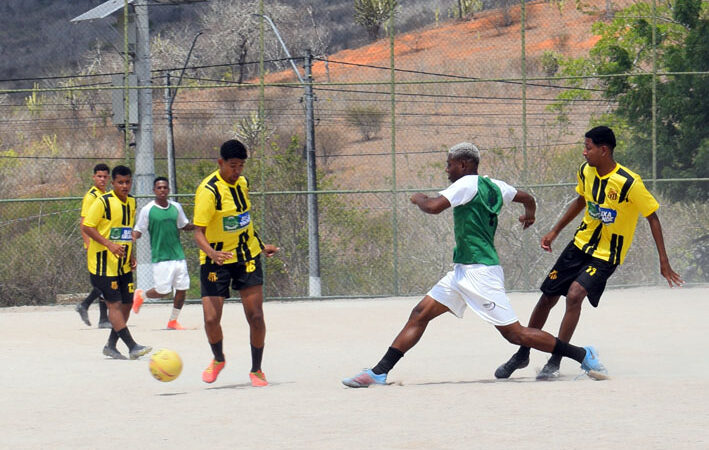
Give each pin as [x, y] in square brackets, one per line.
[314, 285]
[169, 100]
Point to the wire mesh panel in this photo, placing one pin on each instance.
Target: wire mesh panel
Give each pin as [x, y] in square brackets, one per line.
[338, 140]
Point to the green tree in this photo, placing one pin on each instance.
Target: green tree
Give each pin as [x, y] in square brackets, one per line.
[626, 47]
[371, 14]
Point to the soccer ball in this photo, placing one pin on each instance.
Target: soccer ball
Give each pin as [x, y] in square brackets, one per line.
[165, 365]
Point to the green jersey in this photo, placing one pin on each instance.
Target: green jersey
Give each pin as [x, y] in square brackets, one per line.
[164, 226]
[476, 202]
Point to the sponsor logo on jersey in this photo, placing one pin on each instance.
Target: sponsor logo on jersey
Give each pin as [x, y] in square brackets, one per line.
[121, 234]
[233, 223]
[605, 215]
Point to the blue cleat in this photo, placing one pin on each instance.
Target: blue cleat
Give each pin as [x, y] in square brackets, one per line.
[364, 379]
[592, 366]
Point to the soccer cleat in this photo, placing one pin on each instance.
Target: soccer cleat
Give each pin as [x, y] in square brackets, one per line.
[364, 379]
[83, 313]
[514, 363]
[549, 372]
[210, 373]
[139, 350]
[105, 324]
[592, 366]
[258, 379]
[138, 299]
[174, 325]
[113, 353]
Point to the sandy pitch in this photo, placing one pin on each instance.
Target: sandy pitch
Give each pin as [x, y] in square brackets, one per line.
[58, 391]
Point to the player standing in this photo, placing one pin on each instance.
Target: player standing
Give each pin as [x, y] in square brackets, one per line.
[230, 255]
[100, 179]
[477, 279]
[109, 224]
[163, 219]
[612, 196]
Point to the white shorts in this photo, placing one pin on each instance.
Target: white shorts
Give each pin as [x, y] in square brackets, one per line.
[171, 274]
[481, 287]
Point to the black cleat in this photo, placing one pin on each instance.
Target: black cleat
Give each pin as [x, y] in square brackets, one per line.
[113, 353]
[514, 363]
[550, 371]
[83, 313]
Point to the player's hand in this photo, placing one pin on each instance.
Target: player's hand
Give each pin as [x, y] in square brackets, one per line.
[133, 262]
[547, 239]
[418, 197]
[220, 257]
[670, 275]
[270, 250]
[526, 221]
[118, 250]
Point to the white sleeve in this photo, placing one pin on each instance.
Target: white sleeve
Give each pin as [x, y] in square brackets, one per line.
[508, 192]
[462, 191]
[182, 219]
[141, 222]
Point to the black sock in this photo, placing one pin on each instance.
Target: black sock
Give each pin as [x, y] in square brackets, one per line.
[570, 351]
[391, 357]
[217, 351]
[93, 295]
[256, 356]
[127, 339]
[103, 311]
[112, 339]
[523, 352]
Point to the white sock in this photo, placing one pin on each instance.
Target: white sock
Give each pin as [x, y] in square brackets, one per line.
[175, 314]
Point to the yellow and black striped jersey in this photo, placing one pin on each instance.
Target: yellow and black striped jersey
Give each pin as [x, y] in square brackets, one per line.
[91, 195]
[114, 220]
[613, 203]
[225, 211]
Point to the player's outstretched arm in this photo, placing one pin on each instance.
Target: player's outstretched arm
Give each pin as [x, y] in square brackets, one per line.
[530, 208]
[665, 269]
[572, 211]
[430, 205]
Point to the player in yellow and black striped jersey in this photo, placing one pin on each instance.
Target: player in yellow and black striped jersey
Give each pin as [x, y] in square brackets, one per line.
[613, 196]
[100, 179]
[109, 224]
[230, 256]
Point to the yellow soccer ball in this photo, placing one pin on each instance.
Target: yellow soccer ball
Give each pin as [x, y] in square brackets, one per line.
[165, 365]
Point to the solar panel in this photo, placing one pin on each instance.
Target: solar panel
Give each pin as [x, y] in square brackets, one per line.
[102, 10]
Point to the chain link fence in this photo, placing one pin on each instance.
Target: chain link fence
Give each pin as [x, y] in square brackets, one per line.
[382, 118]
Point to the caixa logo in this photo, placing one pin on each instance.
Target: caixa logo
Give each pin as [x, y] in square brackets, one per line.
[605, 215]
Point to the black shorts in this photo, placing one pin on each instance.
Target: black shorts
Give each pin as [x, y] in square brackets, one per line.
[575, 265]
[214, 279]
[115, 289]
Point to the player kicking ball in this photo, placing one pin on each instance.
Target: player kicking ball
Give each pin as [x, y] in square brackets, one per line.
[477, 279]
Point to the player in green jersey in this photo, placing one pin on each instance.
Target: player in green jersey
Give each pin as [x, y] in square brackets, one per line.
[477, 279]
[163, 219]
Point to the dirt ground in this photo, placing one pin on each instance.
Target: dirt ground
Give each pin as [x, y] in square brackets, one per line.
[58, 391]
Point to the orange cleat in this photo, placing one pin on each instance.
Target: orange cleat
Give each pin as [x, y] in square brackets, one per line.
[137, 300]
[258, 379]
[174, 325]
[210, 373]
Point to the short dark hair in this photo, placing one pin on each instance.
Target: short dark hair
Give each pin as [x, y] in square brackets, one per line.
[602, 136]
[101, 167]
[233, 149]
[120, 170]
[155, 181]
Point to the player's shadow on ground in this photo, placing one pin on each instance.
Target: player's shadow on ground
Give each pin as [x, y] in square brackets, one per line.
[246, 385]
[494, 380]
